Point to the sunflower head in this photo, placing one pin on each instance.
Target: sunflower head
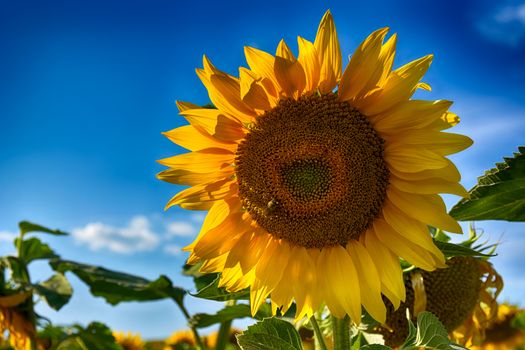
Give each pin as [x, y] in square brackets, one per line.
[13, 320]
[129, 341]
[183, 339]
[455, 295]
[316, 174]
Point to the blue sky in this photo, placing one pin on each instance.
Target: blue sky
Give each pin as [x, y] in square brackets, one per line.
[86, 87]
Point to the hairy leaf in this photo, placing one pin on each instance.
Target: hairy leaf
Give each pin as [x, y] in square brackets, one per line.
[499, 194]
[213, 292]
[270, 333]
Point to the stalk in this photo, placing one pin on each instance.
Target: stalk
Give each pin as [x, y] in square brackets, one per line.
[341, 333]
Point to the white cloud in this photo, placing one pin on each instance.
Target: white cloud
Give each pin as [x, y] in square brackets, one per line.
[7, 236]
[135, 237]
[506, 24]
[172, 249]
[180, 228]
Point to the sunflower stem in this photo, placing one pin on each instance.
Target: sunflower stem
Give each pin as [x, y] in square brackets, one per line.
[319, 338]
[341, 333]
[223, 337]
[198, 339]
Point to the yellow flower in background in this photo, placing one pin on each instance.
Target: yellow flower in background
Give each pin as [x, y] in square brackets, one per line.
[129, 341]
[500, 333]
[180, 337]
[463, 296]
[14, 322]
[317, 179]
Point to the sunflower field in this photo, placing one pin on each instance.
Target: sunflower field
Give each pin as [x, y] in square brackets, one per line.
[321, 182]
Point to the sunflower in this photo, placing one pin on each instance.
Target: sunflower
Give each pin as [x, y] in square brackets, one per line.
[13, 321]
[183, 337]
[317, 179]
[500, 334]
[129, 341]
[462, 296]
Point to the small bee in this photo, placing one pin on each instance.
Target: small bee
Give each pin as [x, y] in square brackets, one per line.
[272, 206]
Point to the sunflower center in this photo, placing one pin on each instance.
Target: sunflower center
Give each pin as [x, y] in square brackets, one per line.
[311, 171]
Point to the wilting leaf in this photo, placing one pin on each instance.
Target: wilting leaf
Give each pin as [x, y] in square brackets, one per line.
[499, 194]
[269, 334]
[117, 287]
[56, 291]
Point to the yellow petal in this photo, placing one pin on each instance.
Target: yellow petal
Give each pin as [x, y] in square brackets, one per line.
[429, 209]
[447, 120]
[203, 161]
[193, 139]
[449, 173]
[398, 87]
[190, 178]
[439, 142]
[217, 214]
[268, 272]
[386, 56]
[224, 92]
[368, 280]
[222, 238]
[429, 186]
[388, 267]
[411, 229]
[309, 60]
[201, 197]
[327, 46]
[215, 123]
[343, 295]
[365, 68]
[284, 51]
[262, 64]
[290, 75]
[403, 247]
[412, 160]
[182, 106]
[252, 91]
[410, 114]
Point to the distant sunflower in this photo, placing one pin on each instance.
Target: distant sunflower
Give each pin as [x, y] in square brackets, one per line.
[462, 296]
[179, 338]
[129, 341]
[14, 321]
[501, 334]
[313, 193]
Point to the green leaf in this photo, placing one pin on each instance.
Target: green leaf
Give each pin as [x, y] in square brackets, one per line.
[56, 291]
[518, 321]
[213, 292]
[97, 336]
[33, 249]
[72, 343]
[26, 227]
[118, 287]
[499, 194]
[451, 249]
[18, 271]
[430, 334]
[269, 334]
[375, 347]
[229, 313]
[358, 341]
